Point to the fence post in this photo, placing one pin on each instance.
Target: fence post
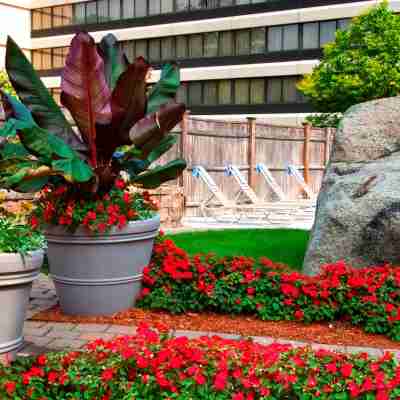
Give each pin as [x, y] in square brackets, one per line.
[306, 151]
[251, 153]
[327, 145]
[184, 143]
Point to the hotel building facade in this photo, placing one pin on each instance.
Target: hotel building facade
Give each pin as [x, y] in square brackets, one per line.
[238, 58]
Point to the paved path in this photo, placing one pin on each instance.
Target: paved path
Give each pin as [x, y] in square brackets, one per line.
[42, 337]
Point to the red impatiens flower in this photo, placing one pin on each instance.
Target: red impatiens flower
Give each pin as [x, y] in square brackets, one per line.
[107, 375]
[10, 387]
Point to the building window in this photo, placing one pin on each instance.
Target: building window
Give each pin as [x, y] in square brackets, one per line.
[211, 44]
[210, 93]
[311, 35]
[195, 93]
[274, 93]
[289, 91]
[128, 9]
[154, 7]
[225, 92]
[242, 43]
[258, 41]
[167, 6]
[241, 91]
[327, 32]
[140, 8]
[275, 38]
[290, 37]
[154, 50]
[196, 46]
[182, 5]
[181, 47]
[91, 12]
[167, 48]
[128, 48]
[257, 91]
[79, 14]
[103, 11]
[225, 44]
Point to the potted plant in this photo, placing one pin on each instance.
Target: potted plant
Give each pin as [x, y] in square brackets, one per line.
[100, 229]
[21, 256]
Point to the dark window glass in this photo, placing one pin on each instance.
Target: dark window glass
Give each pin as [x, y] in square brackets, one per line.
[196, 4]
[115, 10]
[238, 2]
[91, 12]
[225, 44]
[274, 93]
[79, 13]
[141, 8]
[182, 5]
[128, 48]
[154, 7]
[141, 48]
[257, 40]
[210, 92]
[59, 56]
[242, 42]
[289, 90]
[128, 8]
[226, 3]
[181, 47]
[327, 32]
[195, 97]
[211, 44]
[196, 46]
[182, 93]
[154, 50]
[167, 48]
[275, 38]
[213, 4]
[103, 14]
[167, 6]
[343, 24]
[310, 36]
[241, 91]
[257, 91]
[291, 37]
[225, 92]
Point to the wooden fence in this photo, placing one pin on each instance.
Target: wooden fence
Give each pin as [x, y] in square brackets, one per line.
[215, 144]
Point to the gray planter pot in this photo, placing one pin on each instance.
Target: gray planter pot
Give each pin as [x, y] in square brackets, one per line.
[100, 274]
[16, 276]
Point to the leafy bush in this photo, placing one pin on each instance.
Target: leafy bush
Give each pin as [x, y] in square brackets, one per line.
[123, 129]
[362, 64]
[148, 366]
[369, 297]
[16, 237]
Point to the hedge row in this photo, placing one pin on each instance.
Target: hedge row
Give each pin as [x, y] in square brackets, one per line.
[368, 297]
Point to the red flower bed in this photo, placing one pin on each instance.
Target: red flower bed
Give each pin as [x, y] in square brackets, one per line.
[368, 297]
[149, 366]
[65, 205]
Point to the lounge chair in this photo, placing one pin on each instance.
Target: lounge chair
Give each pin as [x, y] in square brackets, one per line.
[293, 171]
[295, 209]
[220, 208]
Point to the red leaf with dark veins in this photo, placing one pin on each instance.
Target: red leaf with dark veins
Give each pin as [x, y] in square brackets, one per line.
[85, 91]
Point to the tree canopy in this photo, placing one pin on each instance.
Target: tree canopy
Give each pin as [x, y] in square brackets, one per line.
[362, 64]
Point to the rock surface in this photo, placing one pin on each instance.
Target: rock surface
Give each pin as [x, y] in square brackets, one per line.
[358, 211]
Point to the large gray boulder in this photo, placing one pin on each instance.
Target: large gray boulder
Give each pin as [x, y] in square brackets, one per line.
[358, 211]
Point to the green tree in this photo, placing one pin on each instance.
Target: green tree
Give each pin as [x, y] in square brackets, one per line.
[362, 64]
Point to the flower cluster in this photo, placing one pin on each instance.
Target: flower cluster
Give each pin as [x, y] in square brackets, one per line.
[64, 206]
[368, 297]
[153, 366]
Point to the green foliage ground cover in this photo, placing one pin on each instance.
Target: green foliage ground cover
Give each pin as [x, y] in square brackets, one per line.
[286, 246]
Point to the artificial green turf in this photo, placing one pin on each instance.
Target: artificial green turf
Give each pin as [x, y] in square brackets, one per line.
[282, 245]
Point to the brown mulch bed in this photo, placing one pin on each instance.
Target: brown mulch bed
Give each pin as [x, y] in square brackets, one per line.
[337, 333]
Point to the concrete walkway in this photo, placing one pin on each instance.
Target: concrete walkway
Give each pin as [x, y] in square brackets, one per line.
[41, 337]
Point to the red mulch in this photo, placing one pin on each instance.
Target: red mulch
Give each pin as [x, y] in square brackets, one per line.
[338, 333]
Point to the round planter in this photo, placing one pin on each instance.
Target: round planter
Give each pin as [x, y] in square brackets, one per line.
[16, 276]
[100, 274]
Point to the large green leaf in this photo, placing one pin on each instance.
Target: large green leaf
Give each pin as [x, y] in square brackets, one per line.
[155, 177]
[114, 61]
[11, 150]
[9, 129]
[32, 185]
[73, 169]
[166, 144]
[165, 89]
[37, 98]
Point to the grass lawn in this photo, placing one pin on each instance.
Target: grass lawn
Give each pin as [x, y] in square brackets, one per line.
[282, 245]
